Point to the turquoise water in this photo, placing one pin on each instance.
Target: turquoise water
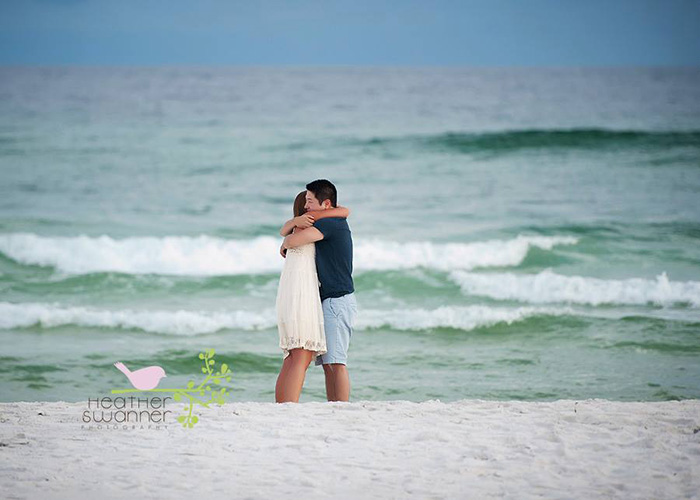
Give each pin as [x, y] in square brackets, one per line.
[519, 233]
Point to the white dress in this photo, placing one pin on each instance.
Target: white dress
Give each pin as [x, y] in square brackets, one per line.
[299, 311]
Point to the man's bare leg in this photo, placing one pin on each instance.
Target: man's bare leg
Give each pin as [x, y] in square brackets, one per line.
[337, 382]
[330, 383]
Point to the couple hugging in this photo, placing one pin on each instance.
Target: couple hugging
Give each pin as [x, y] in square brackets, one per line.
[316, 305]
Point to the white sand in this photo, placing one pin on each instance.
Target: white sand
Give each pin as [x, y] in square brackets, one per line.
[395, 449]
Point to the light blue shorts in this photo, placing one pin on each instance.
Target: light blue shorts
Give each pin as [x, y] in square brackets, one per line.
[338, 320]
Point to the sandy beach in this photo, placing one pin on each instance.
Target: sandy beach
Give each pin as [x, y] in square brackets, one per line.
[365, 449]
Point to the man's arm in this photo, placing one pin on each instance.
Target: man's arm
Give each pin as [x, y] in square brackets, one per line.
[302, 237]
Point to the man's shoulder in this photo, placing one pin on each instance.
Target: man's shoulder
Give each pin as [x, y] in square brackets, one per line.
[332, 226]
[332, 221]
[335, 219]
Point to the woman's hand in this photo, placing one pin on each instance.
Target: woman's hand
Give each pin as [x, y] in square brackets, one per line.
[304, 221]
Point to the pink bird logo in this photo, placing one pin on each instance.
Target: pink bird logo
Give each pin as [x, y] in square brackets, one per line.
[144, 379]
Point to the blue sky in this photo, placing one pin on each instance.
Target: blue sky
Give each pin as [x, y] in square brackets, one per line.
[353, 32]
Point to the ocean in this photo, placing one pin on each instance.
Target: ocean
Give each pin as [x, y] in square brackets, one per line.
[519, 233]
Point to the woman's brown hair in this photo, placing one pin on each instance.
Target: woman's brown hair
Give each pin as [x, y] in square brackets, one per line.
[299, 203]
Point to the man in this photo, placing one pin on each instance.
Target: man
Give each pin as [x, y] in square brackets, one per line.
[334, 266]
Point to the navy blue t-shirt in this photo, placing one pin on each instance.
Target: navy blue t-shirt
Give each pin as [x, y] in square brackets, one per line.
[334, 257]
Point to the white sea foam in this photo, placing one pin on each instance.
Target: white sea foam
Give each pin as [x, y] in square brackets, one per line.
[181, 255]
[198, 322]
[183, 322]
[384, 255]
[206, 255]
[549, 287]
[172, 322]
[460, 318]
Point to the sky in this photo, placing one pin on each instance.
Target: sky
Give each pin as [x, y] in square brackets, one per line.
[351, 32]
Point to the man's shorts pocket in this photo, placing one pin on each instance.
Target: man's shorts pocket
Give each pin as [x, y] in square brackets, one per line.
[333, 306]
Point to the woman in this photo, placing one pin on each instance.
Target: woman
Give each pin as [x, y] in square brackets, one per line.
[299, 312]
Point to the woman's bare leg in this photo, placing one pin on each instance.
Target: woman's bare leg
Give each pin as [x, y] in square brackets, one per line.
[291, 379]
[282, 380]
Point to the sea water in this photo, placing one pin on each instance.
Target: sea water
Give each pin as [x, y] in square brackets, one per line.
[519, 233]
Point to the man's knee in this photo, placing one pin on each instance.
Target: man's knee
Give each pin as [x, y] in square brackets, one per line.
[330, 368]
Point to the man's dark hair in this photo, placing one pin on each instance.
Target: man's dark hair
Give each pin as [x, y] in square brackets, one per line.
[324, 190]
